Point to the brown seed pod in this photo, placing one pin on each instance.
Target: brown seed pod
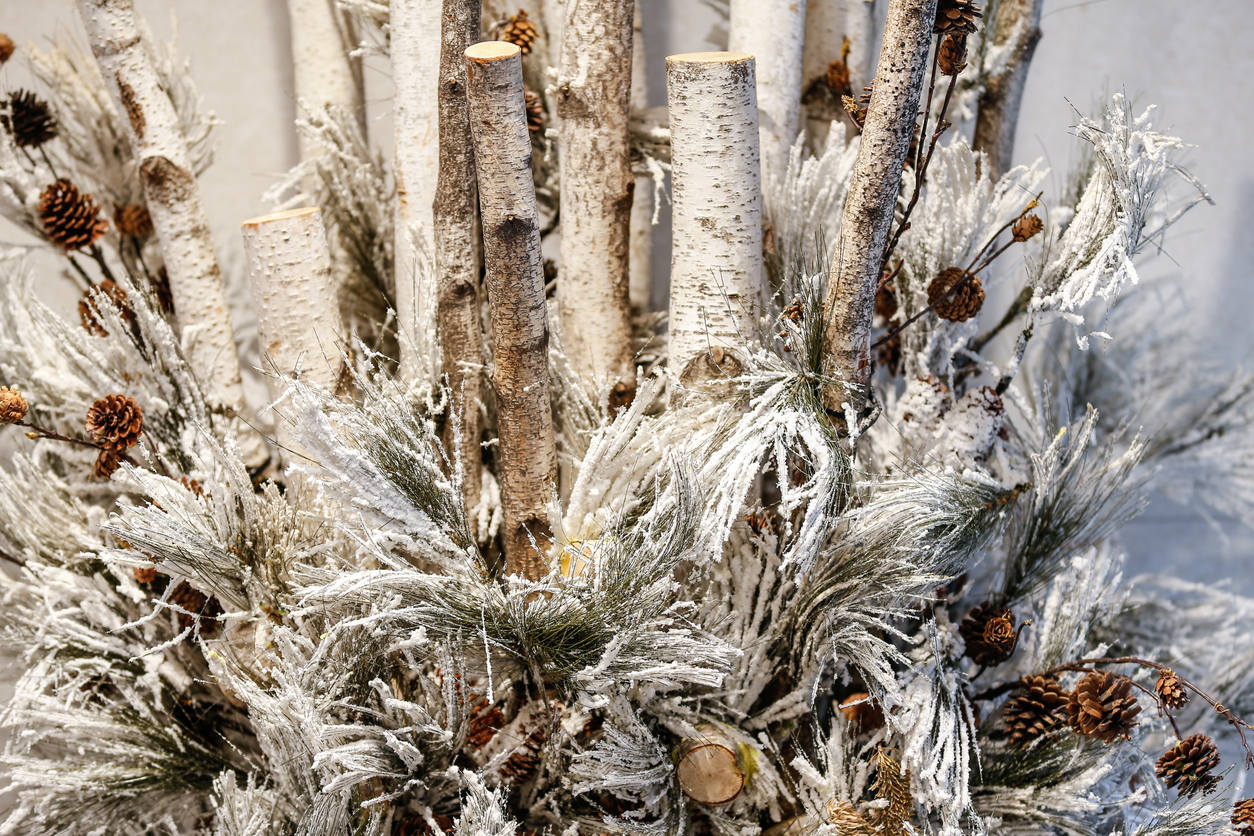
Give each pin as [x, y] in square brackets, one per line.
[955, 305]
[116, 421]
[29, 119]
[144, 574]
[956, 16]
[520, 32]
[7, 48]
[1170, 689]
[837, 78]
[107, 464]
[196, 603]
[133, 220]
[13, 406]
[1026, 228]
[1187, 765]
[1243, 817]
[535, 111]
[952, 55]
[1040, 707]
[862, 712]
[1102, 707]
[989, 634]
[89, 307]
[71, 218]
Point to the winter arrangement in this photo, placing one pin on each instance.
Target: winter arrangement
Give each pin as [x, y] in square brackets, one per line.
[827, 546]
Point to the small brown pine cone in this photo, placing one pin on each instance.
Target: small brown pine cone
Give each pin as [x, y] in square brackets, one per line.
[89, 310]
[13, 406]
[956, 16]
[1027, 227]
[952, 55]
[535, 111]
[888, 355]
[133, 220]
[116, 421]
[160, 285]
[989, 633]
[483, 724]
[29, 119]
[1171, 690]
[525, 761]
[7, 48]
[144, 574]
[837, 78]
[1102, 707]
[848, 821]
[958, 305]
[107, 464]
[862, 712]
[1036, 710]
[520, 32]
[1187, 765]
[1243, 817]
[196, 603]
[886, 302]
[70, 217]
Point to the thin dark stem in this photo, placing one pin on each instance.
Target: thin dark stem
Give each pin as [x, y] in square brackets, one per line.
[51, 168]
[927, 109]
[983, 265]
[889, 278]
[40, 432]
[1015, 310]
[16, 561]
[78, 268]
[96, 253]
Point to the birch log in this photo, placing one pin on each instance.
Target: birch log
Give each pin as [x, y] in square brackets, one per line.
[298, 315]
[457, 254]
[324, 72]
[871, 202]
[828, 24]
[594, 107]
[515, 279]
[773, 32]
[640, 241]
[173, 199]
[1016, 28]
[716, 260]
[415, 50]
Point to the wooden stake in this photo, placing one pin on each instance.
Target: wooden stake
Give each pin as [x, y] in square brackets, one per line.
[773, 32]
[1016, 26]
[173, 199]
[458, 254]
[515, 278]
[594, 106]
[872, 200]
[716, 262]
[415, 27]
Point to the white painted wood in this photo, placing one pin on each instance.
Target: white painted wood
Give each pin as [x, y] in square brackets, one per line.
[773, 32]
[515, 279]
[640, 241]
[415, 52]
[594, 106]
[716, 263]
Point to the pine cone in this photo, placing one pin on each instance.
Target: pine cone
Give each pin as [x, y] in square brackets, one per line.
[7, 48]
[89, 310]
[952, 55]
[862, 712]
[133, 220]
[961, 304]
[29, 119]
[144, 574]
[116, 421]
[107, 464]
[520, 32]
[848, 821]
[1102, 707]
[13, 407]
[70, 217]
[1037, 710]
[888, 356]
[196, 603]
[1171, 690]
[989, 633]
[1027, 227]
[535, 111]
[483, 724]
[956, 16]
[1188, 764]
[1243, 817]
[886, 302]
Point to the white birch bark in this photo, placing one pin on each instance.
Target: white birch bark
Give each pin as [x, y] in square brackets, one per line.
[324, 73]
[594, 105]
[872, 200]
[1015, 28]
[773, 32]
[860, 30]
[828, 23]
[415, 52]
[716, 262]
[173, 199]
[515, 279]
[640, 241]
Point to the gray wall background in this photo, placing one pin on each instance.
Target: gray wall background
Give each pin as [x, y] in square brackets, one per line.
[1192, 59]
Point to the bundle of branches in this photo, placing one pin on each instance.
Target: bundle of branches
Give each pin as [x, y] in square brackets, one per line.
[823, 555]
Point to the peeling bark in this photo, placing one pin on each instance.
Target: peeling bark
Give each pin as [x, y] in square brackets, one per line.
[1015, 26]
[872, 201]
[515, 279]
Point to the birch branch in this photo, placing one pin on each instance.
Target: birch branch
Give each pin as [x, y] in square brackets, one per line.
[594, 108]
[415, 50]
[173, 199]
[872, 200]
[716, 261]
[1016, 28]
[515, 279]
[773, 32]
[324, 72]
[298, 316]
[457, 253]
[640, 227]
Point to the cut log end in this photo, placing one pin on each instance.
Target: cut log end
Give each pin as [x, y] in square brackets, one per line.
[709, 773]
[709, 58]
[281, 216]
[488, 51]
